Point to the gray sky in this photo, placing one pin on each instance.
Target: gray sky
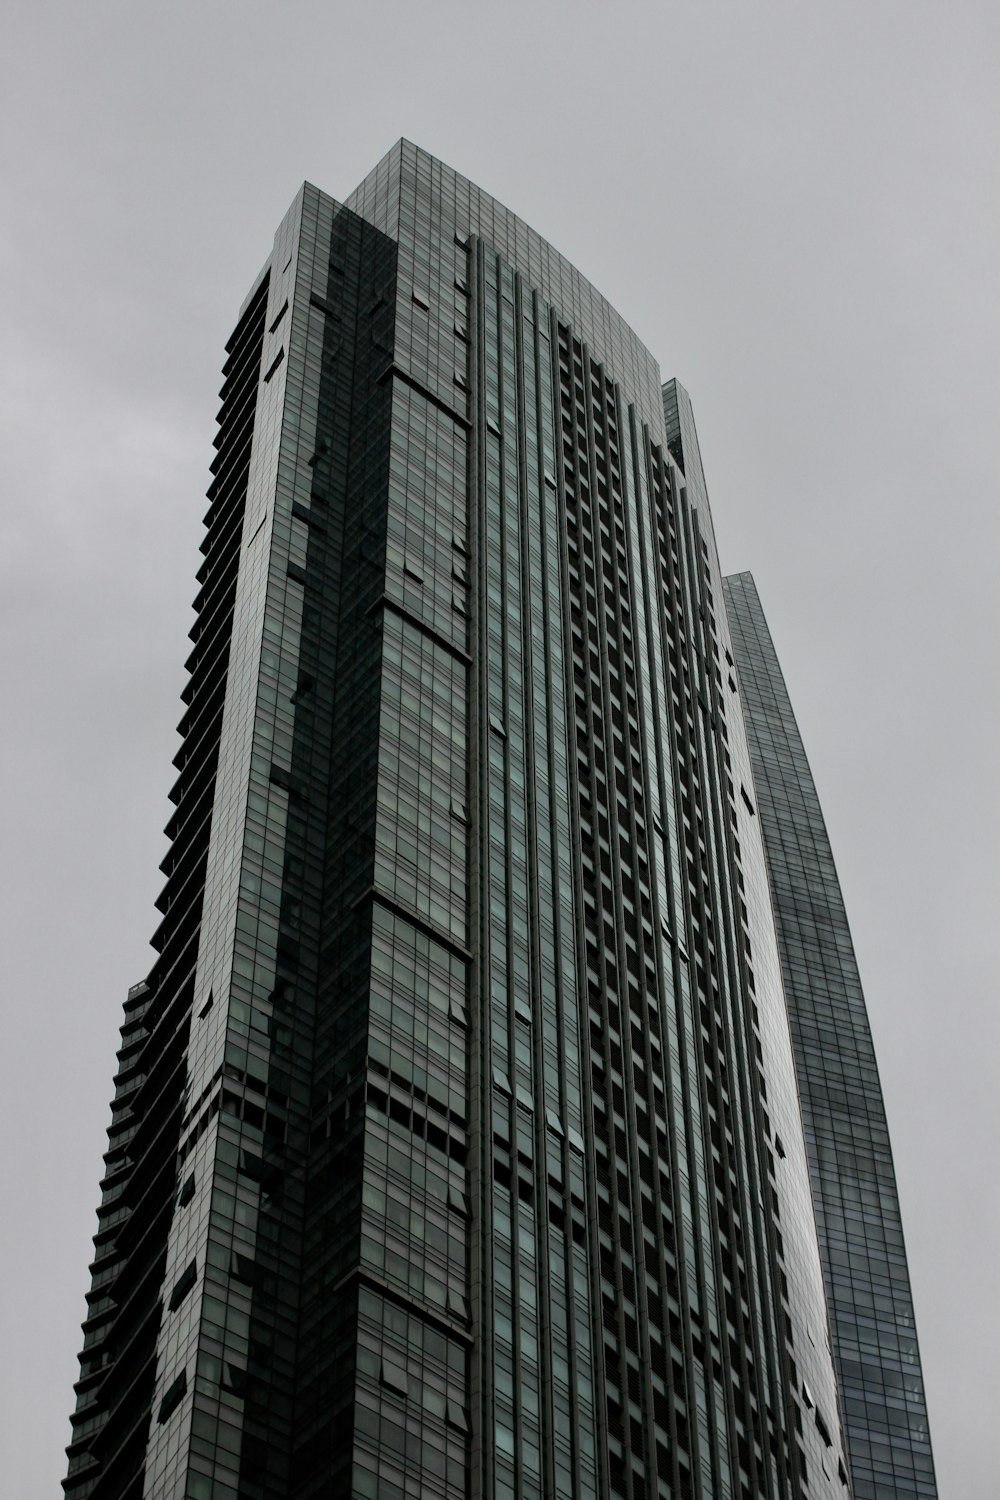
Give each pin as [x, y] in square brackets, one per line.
[797, 208]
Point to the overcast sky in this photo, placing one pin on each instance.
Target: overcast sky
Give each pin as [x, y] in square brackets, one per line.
[797, 207]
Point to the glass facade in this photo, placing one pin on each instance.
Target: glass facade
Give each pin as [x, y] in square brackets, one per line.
[456, 1147]
[850, 1161]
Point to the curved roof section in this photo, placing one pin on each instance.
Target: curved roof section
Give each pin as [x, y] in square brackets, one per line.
[416, 200]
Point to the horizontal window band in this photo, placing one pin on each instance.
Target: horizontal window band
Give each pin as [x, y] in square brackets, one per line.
[304, 513]
[321, 305]
[393, 1294]
[443, 939]
[384, 602]
[393, 372]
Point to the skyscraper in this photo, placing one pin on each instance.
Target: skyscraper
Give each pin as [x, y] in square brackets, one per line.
[456, 1146]
[854, 1185]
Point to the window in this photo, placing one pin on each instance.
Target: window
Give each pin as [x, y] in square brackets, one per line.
[394, 1377]
[457, 1305]
[457, 1417]
[276, 361]
[173, 1397]
[183, 1285]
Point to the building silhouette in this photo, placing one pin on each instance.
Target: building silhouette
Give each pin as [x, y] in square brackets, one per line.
[456, 1146]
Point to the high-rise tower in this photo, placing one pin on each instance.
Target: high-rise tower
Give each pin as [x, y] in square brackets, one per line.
[456, 1147]
[854, 1185]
